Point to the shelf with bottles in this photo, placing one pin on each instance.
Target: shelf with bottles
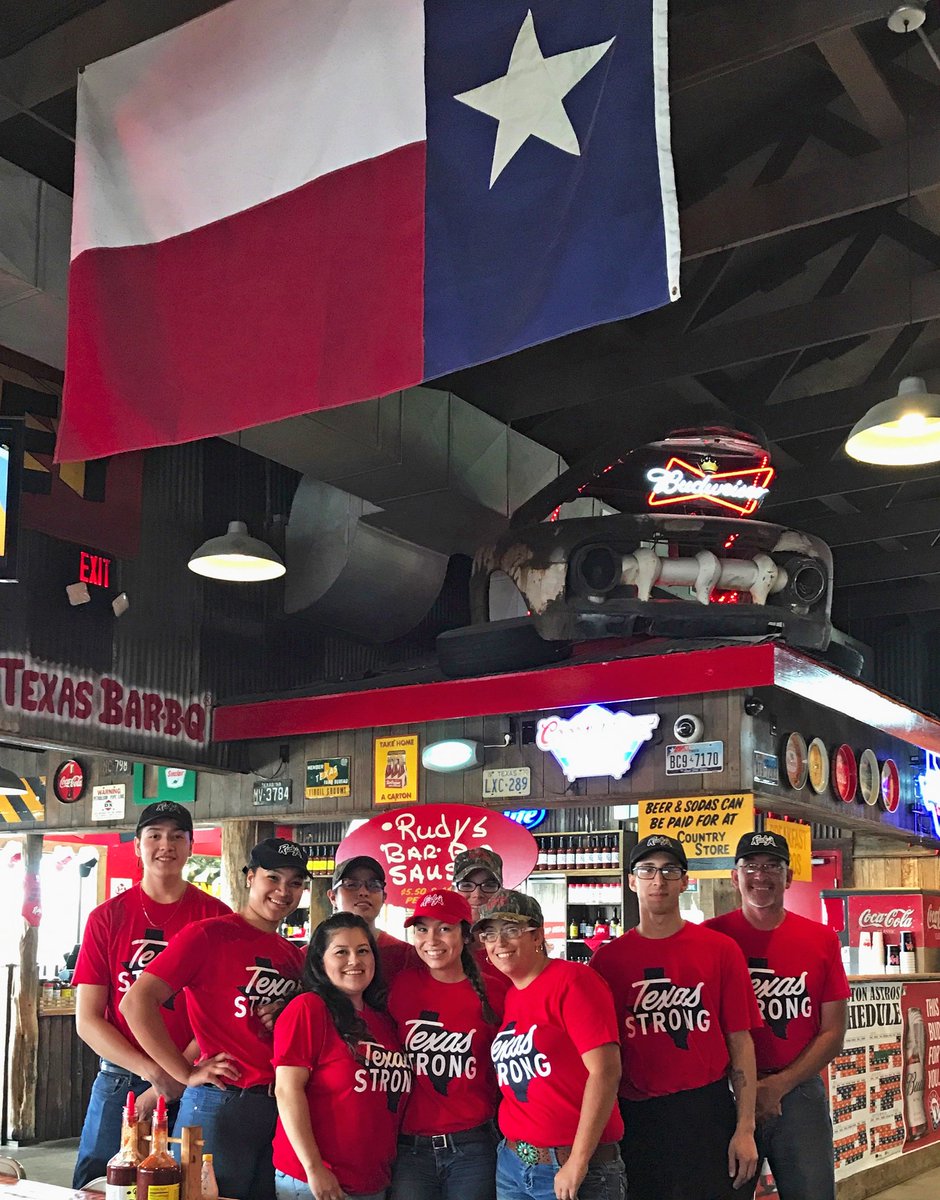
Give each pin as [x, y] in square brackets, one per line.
[595, 853]
[321, 859]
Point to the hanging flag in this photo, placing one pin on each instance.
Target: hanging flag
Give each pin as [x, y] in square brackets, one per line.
[289, 205]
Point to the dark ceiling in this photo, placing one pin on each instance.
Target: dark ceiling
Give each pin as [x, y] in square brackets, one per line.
[811, 283]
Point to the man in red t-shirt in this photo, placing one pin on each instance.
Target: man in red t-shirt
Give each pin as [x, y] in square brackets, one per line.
[800, 985]
[685, 1009]
[121, 937]
[359, 887]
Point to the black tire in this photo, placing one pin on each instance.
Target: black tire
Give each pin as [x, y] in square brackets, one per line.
[844, 658]
[494, 647]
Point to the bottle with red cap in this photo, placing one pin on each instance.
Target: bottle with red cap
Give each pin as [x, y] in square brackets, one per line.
[121, 1176]
[159, 1175]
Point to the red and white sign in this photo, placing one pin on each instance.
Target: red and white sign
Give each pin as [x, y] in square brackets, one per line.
[681, 482]
[417, 846]
[892, 913]
[69, 781]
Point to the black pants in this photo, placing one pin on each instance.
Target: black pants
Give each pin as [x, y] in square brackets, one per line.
[676, 1147]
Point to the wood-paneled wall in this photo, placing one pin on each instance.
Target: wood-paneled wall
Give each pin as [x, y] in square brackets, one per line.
[883, 864]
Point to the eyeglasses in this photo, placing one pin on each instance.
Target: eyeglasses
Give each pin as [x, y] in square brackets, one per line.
[354, 885]
[671, 871]
[511, 932]
[774, 868]
[490, 887]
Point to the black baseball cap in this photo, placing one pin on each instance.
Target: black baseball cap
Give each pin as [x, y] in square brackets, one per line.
[763, 843]
[361, 860]
[658, 843]
[166, 810]
[274, 854]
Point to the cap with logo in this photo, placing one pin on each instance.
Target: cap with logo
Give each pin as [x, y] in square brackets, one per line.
[274, 854]
[512, 906]
[441, 906]
[478, 859]
[361, 860]
[658, 843]
[166, 810]
[763, 843]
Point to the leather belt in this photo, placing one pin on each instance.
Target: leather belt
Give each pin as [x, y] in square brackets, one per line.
[110, 1068]
[447, 1141]
[542, 1155]
[256, 1089]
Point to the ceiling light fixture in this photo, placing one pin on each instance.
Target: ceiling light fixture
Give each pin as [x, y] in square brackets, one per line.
[11, 784]
[905, 430]
[236, 557]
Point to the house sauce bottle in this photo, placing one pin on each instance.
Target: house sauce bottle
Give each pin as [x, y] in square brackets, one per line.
[121, 1177]
[159, 1175]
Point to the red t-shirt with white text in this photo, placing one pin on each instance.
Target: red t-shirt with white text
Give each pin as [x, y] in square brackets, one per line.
[795, 969]
[676, 999]
[121, 939]
[355, 1106]
[230, 969]
[547, 1026]
[441, 1027]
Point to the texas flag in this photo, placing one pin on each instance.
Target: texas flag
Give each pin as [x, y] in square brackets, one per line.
[289, 205]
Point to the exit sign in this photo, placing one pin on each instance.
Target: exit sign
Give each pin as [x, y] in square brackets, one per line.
[94, 569]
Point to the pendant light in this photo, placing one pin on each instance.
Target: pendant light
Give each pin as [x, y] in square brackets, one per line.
[11, 784]
[905, 430]
[236, 557]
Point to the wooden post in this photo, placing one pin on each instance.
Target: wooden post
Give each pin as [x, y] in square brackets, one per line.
[320, 907]
[26, 1016]
[238, 837]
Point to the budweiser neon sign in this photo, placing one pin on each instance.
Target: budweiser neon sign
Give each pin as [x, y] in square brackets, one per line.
[595, 741]
[929, 783]
[680, 482]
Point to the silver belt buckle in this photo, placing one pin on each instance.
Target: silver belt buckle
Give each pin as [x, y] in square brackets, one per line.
[439, 1141]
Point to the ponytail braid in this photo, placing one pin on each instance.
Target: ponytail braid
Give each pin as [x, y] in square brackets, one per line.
[472, 971]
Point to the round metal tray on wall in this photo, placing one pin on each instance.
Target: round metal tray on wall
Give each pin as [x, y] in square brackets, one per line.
[794, 761]
[817, 759]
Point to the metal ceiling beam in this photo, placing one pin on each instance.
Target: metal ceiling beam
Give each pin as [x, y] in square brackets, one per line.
[855, 568]
[899, 521]
[738, 215]
[837, 478]
[915, 596]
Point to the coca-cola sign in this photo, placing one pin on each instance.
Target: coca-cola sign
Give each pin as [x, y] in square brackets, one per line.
[893, 918]
[932, 919]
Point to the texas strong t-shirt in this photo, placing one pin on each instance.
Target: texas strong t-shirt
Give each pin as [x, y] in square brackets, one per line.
[124, 935]
[563, 1013]
[355, 1102]
[230, 969]
[441, 1027]
[676, 999]
[795, 969]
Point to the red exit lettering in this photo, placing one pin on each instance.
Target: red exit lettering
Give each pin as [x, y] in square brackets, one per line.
[94, 569]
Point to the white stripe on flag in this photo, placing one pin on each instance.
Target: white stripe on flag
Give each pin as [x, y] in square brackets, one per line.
[241, 105]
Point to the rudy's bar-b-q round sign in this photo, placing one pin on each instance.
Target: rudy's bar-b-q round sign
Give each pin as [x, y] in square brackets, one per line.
[417, 846]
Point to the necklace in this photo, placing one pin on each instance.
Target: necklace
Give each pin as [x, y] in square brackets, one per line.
[151, 923]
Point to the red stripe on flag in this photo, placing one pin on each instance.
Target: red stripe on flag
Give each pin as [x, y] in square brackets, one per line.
[310, 301]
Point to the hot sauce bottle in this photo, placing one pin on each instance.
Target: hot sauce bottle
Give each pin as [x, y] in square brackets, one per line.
[121, 1178]
[159, 1175]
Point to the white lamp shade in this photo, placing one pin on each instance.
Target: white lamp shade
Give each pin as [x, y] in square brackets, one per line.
[901, 432]
[236, 557]
[11, 784]
[454, 754]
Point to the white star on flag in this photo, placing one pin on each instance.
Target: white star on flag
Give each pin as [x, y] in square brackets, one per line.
[527, 100]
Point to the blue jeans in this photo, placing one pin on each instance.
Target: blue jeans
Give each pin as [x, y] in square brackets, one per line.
[798, 1144]
[289, 1188]
[463, 1172]
[237, 1130]
[101, 1131]
[517, 1181]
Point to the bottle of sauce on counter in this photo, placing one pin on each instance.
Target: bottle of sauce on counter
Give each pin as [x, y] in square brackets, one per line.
[159, 1175]
[207, 1180]
[121, 1177]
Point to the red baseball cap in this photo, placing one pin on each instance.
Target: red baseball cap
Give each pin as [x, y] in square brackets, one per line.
[441, 906]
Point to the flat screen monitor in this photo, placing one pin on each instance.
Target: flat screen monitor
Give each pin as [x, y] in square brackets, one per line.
[11, 463]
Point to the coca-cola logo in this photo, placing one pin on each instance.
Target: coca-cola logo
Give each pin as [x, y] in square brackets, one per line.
[69, 782]
[892, 918]
[933, 918]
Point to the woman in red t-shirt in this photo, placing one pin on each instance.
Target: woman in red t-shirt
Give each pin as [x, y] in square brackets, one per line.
[447, 1017]
[557, 1059]
[341, 1077]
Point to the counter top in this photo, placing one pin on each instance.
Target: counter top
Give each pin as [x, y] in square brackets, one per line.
[894, 978]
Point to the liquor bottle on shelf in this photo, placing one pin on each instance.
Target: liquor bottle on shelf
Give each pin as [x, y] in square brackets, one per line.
[551, 854]
[573, 929]
[579, 859]
[569, 853]
[208, 1184]
[159, 1175]
[121, 1175]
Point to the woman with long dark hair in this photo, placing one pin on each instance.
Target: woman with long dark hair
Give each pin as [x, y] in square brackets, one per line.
[447, 1016]
[340, 1072]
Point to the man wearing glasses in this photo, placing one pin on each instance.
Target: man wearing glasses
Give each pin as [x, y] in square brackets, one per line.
[685, 1010]
[359, 887]
[478, 876]
[800, 985]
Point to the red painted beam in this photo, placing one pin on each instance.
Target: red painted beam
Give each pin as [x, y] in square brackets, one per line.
[677, 674]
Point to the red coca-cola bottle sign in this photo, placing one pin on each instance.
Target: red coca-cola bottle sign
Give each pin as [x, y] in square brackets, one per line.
[69, 782]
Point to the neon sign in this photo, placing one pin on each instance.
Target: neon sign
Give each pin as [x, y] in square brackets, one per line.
[528, 818]
[929, 783]
[595, 741]
[680, 482]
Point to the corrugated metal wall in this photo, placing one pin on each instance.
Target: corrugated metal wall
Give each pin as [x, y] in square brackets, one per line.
[905, 659]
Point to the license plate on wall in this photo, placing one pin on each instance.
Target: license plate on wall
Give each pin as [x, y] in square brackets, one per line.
[696, 758]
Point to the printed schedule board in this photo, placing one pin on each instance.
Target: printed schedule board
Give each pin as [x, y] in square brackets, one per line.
[707, 826]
